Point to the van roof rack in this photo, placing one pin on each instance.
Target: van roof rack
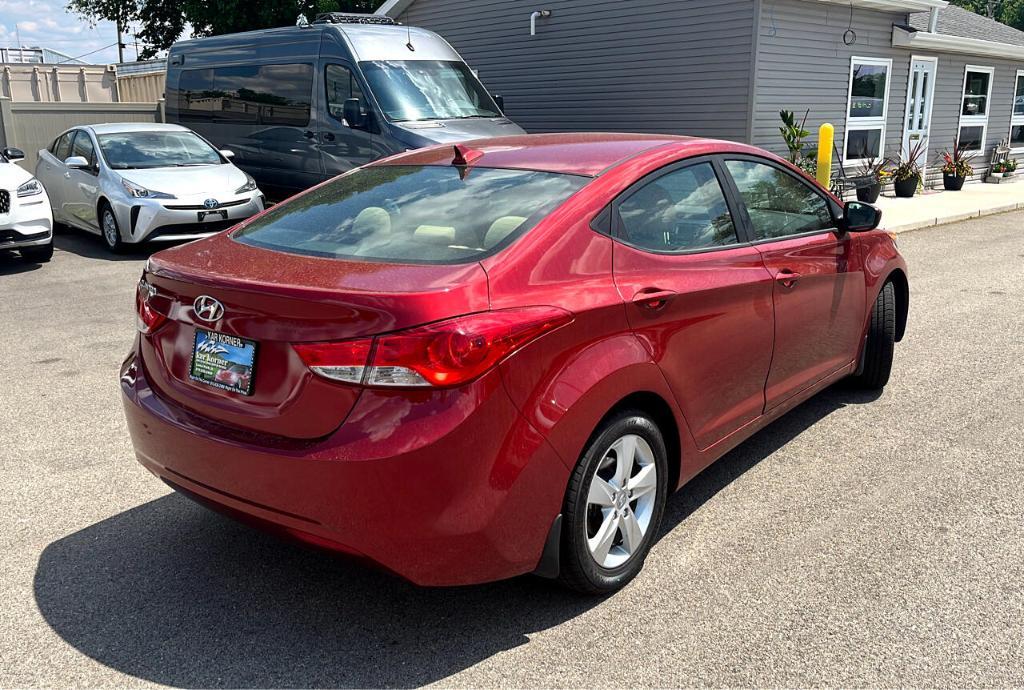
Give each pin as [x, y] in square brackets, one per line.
[351, 18]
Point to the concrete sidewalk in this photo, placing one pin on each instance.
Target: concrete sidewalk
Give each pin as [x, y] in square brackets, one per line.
[938, 207]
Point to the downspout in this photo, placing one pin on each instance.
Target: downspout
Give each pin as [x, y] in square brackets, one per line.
[933, 21]
[536, 14]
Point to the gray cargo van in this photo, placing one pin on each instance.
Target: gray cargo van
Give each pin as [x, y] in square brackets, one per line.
[299, 105]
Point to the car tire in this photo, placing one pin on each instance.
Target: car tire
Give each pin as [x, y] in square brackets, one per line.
[110, 230]
[878, 348]
[39, 254]
[608, 528]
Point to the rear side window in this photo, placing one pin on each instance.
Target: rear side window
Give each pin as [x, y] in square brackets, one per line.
[679, 211]
[247, 94]
[413, 214]
[777, 202]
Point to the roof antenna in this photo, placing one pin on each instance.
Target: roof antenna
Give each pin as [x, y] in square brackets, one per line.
[408, 37]
[301, 21]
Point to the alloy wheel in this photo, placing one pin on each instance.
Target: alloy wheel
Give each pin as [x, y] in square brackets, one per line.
[110, 233]
[620, 503]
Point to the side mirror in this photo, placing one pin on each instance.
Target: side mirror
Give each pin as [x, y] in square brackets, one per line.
[858, 217]
[499, 100]
[227, 153]
[13, 154]
[76, 163]
[353, 114]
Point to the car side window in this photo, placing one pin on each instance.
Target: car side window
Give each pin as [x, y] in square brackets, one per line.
[342, 85]
[678, 211]
[779, 204]
[83, 147]
[61, 148]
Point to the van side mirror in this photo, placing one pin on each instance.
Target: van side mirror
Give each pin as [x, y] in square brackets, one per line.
[227, 153]
[858, 217]
[13, 154]
[499, 100]
[353, 114]
[76, 163]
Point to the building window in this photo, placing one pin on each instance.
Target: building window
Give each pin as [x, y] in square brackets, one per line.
[868, 108]
[975, 107]
[1017, 119]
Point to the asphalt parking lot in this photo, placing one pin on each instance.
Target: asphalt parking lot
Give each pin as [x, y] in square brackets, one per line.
[858, 541]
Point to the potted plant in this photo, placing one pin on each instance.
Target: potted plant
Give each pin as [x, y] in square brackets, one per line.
[906, 173]
[1011, 167]
[872, 175]
[956, 168]
[998, 169]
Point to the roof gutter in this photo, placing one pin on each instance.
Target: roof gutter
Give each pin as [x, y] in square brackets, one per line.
[944, 43]
[891, 5]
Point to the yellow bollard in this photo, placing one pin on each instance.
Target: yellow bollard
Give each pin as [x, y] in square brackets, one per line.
[826, 137]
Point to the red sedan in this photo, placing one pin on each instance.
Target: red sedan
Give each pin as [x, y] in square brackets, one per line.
[464, 364]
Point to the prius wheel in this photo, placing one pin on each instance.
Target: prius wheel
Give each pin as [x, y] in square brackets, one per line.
[111, 231]
[614, 504]
[878, 349]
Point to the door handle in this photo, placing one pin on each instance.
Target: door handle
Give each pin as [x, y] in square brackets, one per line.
[787, 277]
[309, 134]
[652, 298]
[67, 175]
[328, 136]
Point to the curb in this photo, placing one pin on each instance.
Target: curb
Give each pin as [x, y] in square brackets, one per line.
[956, 218]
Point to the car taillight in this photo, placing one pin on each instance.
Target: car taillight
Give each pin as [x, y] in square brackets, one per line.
[444, 354]
[148, 319]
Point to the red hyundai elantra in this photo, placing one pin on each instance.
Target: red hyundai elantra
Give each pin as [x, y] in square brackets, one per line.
[468, 363]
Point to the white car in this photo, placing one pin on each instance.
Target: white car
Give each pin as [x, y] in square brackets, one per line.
[25, 220]
[134, 182]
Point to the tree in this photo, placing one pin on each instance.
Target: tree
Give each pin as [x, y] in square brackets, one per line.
[162, 23]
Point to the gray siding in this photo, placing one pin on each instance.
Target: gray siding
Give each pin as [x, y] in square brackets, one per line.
[803, 64]
[607, 65]
[948, 94]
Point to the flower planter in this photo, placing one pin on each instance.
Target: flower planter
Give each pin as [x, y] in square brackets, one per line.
[953, 183]
[869, 194]
[905, 189]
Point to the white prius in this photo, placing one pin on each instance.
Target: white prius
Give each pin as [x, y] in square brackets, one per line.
[134, 182]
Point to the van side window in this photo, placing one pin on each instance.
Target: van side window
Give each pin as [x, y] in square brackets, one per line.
[341, 85]
[247, 94]
[195, 97]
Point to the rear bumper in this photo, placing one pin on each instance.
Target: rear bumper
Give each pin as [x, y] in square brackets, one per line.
[441, 488]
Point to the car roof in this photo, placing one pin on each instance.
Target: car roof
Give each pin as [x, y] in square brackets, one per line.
[119, 127]
[581, 153]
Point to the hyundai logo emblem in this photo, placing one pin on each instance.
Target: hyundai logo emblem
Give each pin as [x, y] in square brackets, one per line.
[211, 203]
[208, 309]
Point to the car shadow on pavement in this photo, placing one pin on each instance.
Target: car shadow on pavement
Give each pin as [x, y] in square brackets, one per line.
[91, 246]
[11, 263]
[171, 593]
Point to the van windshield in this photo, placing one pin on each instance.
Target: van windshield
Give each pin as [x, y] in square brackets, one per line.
[412, 214]
[410, 90]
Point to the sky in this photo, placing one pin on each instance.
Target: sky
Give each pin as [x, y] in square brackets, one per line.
[46, 23]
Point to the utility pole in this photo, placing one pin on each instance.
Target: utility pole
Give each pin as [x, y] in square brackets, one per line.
[120, 45]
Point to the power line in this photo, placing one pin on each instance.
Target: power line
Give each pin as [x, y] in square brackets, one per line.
[79, 57]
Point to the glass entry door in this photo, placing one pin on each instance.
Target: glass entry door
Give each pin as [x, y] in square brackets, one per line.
[920, 95]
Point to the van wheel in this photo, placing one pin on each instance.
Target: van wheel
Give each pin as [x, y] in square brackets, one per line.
[614, 504]
[110, 230]
[878, 349]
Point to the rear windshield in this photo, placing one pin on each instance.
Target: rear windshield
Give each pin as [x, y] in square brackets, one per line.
[413, 214]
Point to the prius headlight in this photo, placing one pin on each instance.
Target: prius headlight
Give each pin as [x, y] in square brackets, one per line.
[249, 186]
[140, 192]
[30, 188]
